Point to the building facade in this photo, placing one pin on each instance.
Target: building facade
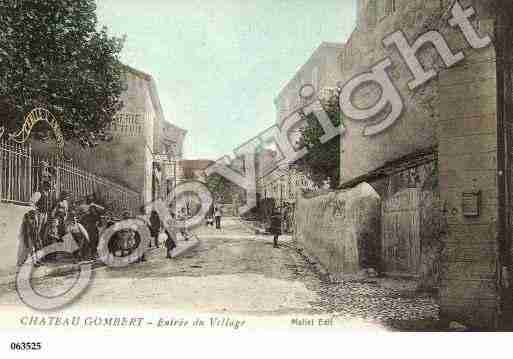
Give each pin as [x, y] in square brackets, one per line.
[192, 170]
[436, 167]
[137, 135]
[171, 146]
[321, 70]
[283, 185]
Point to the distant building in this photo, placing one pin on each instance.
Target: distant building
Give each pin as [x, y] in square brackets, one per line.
[171, 145]
[283, 185]
[172, 140]
[321, 70]
[280, 183]
[192, 170]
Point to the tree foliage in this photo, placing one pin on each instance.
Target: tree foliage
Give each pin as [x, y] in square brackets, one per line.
[323, 159]
[52, 55]
[217, 184]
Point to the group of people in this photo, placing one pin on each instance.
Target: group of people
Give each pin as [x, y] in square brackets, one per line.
[56, 220]
[215, 216]
[158, 232]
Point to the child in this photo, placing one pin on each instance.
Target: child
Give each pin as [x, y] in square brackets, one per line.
[170, 245]
[80, 236]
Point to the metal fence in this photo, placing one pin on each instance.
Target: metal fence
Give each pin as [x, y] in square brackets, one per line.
[21, 172]
[15, 172]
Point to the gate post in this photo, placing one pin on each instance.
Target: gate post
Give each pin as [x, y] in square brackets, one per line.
[57, 178]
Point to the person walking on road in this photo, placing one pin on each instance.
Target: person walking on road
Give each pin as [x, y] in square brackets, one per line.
[217, 216]
[276, 223]
[155, 227]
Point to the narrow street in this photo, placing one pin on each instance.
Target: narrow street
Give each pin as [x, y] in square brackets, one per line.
[234, 271]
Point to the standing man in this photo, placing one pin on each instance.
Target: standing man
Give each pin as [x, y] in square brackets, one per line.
[60, 212]
[43, 201]
[143, 215]
[276, 222]
[90, 222]
[217, 216]
[155, 227]
[29, 238]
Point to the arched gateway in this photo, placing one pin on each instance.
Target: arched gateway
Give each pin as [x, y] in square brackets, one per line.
[34, 117]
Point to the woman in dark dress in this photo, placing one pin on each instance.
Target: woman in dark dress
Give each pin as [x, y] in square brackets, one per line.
[276, 222]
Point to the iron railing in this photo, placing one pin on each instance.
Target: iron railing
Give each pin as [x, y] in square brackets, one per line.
[21, 172]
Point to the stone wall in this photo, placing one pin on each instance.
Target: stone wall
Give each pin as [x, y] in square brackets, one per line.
[468, 162]
[11, 217]
[341, 229]
[409, 219]
[416, 128]
[455, 112]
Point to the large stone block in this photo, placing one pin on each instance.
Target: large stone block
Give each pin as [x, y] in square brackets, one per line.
[11, 217]
[341, 229]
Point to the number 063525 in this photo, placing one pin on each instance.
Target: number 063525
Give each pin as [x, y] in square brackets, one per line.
[25, 346]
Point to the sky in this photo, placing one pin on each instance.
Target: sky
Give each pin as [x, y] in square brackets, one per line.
[219, 64]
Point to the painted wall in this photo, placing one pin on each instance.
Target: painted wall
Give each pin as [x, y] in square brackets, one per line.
[127, 159]
[416, 128]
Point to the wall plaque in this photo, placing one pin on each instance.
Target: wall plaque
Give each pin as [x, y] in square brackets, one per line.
[470, 203]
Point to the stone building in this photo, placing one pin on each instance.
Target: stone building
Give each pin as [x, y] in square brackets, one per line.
[226, 194]
[171, 146]
[436, 167]
[138, 133]
[321, 70]
[192, 170]
[172, 140]
[283, 185]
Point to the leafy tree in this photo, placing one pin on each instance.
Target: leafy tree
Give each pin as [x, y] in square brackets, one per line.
[52, 55]
[217, 185]
[322, 160]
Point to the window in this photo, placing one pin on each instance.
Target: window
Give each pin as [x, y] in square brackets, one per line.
[385, 8]
[315, 78]
[390, 7]
[381, 9]
[286, 104]
[372, 13]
